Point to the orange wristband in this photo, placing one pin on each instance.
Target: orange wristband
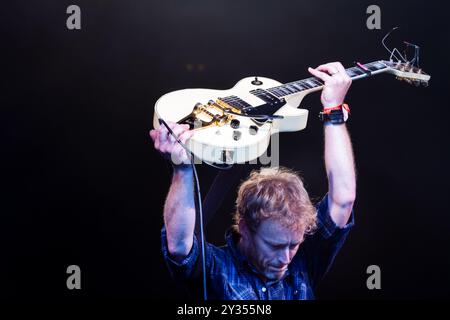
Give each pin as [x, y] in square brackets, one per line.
[341, 106]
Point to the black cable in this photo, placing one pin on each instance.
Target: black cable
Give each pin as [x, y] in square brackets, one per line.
[200, 209]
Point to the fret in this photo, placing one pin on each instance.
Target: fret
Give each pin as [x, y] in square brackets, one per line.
[317, 81]
[306, 84]
[375, 66]
[291, 87]
[358, 71]
[284, 90]
[298, 86]
[372, 68]
[352, 72]
[379, 65]
[313, 82]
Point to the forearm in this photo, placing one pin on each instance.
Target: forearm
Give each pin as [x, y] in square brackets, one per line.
[339, 163]
[179, 213]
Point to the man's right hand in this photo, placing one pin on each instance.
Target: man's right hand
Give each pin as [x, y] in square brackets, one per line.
[166, 144]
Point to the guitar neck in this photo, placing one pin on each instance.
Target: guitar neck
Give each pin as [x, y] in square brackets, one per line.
[314, 83]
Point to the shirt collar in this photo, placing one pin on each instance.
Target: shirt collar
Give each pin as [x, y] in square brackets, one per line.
[232, 239]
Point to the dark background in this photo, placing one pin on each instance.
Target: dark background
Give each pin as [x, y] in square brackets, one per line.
[82, 184]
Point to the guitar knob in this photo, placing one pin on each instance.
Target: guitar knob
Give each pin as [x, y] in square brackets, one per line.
[235, 123]
[236, 135]
[253, 130]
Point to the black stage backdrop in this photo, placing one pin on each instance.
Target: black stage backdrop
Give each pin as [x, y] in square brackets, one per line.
[82, 184]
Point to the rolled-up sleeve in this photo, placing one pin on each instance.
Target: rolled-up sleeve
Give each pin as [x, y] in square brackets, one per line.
[326, 226]
[185, 269]
[321, 248]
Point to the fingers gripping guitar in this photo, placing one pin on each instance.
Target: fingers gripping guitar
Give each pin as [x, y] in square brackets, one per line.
[336, 83]
[169, 139]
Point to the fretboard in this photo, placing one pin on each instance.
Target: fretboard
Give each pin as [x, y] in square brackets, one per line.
[315, 83]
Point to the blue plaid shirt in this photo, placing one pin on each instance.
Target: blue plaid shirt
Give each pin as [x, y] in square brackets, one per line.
[231, 277]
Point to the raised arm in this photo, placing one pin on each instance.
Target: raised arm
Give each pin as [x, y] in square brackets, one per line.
[339, 160]
[179, 208]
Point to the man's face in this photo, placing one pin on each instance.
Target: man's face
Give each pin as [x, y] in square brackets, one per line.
[271, 248]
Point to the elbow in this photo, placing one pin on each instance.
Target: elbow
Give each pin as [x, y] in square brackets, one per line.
[348, 200]
[179, 250]
[341, 209]
[345, 197]
[343, 190]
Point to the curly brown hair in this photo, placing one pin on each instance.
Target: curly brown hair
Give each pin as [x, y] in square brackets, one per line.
[278, 194]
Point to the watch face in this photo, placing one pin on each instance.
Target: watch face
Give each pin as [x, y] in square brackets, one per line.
[336, 116]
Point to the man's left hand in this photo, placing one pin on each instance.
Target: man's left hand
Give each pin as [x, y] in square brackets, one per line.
[336, 81]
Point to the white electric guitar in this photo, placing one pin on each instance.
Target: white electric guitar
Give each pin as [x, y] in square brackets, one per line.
[235, 125]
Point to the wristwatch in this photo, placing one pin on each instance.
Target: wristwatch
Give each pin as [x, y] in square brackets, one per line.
[336, 115]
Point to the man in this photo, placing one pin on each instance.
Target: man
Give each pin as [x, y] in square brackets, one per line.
[281, 246]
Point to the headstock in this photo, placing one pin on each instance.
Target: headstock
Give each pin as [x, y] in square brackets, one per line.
[405, 69]
[407, 72]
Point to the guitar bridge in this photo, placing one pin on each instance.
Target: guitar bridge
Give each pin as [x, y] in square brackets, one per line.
[203, 116]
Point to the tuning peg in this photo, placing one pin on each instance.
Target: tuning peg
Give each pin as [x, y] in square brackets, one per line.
[425, 83]
[416, 83]
[408, 81]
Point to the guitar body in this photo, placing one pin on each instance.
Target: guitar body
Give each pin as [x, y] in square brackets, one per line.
[223, 144]
[235, 125]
